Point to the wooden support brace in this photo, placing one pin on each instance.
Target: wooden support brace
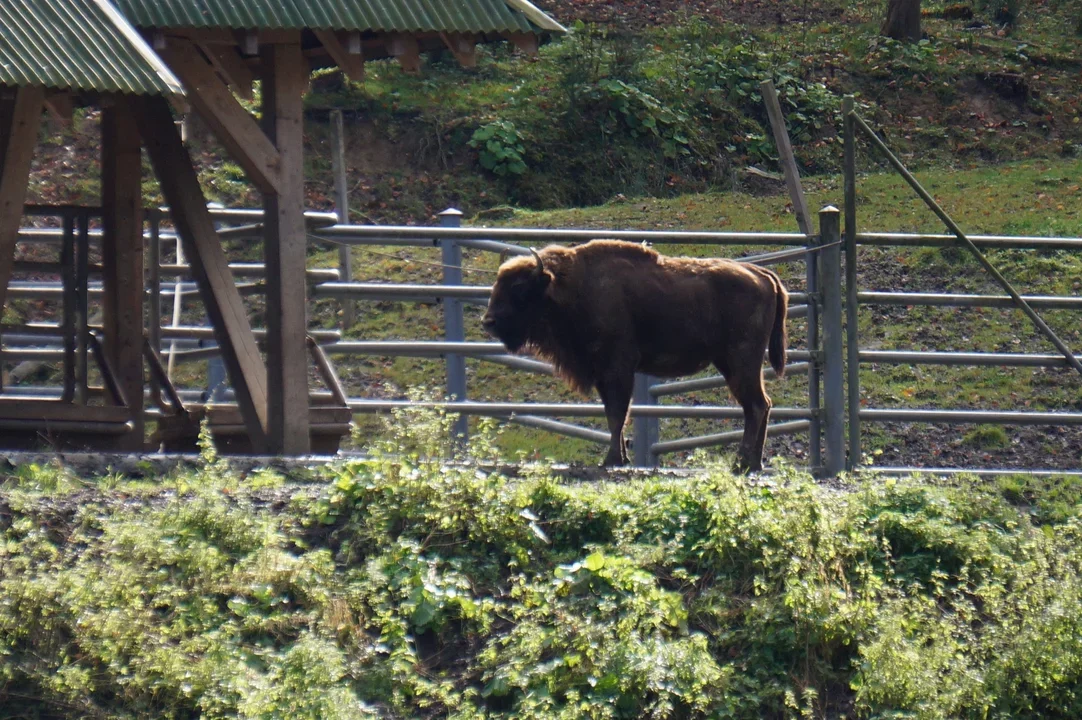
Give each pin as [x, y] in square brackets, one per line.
[232, 124]
[222, 301]
[405, 49]
[786, 156]
[285, 76]
[231, 67]
[463, 46]
[18, 138]
[122, 256]
[524, 41]
[351, 63]
[55, 410]
[60, 105]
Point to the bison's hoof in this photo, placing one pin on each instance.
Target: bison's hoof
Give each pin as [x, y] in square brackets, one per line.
[743, 467]
[613, 460]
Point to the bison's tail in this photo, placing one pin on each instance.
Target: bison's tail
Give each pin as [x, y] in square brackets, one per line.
[779, 336]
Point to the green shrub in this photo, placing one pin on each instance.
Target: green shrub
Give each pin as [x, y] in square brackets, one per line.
[410, 586]
[500, 148]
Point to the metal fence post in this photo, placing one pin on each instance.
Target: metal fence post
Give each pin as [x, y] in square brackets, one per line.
[341, 208]
[830, 288]
[646, 428]
[82, 308]
[217, 379]
[154, 286]
[454, 324]
[815, 363]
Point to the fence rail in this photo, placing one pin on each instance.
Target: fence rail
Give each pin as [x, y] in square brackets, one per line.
[831, 343]
[185, 343]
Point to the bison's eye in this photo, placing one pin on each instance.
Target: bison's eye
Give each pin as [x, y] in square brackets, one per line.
[521, 293]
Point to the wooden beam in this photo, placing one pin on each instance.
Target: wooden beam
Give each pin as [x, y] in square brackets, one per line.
[525, 42]
[231, 123]
[285, 77]
[223, 303]
[20, 137]
[405, 49]
[786, 156]
[122, 257]
[463, 46]
[231, 67]
[60, 105]
[349, 61]
[44, 410]
[7, 109]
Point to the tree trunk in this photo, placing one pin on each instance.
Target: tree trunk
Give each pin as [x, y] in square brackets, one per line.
[902, 21]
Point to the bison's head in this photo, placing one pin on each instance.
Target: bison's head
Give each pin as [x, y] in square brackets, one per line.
[516, 301]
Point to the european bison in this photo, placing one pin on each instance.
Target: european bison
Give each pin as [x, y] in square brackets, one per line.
[602, 311]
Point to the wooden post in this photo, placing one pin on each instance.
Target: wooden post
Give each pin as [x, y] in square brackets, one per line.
[285, 77]
[122, 258]
[232, 330]
[20, 125]
[852, 307]
[785, 155]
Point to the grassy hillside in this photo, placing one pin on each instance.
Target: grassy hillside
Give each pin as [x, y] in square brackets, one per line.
[410, 589]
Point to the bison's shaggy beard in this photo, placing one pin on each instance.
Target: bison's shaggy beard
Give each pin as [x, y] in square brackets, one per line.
[553, 337]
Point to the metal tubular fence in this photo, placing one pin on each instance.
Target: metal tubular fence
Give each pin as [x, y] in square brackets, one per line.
[169, 280]
[855, 299]
[832, 361]
[452, 295]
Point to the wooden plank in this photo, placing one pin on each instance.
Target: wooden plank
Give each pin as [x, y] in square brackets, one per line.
[350, 63]
[40, 409]
[122, 257]
[525, 42]
[7, 107]
[785, 156]
[222, 301]
[202, 36]
[22, 123]
[463, 46]
[405, 49]
[231, 67]
[231, 123]
[285, 75]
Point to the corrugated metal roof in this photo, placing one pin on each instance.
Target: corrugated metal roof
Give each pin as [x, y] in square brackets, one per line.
[475, 16]
[78, 45]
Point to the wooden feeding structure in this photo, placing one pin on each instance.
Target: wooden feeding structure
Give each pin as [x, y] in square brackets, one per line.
[207, 54]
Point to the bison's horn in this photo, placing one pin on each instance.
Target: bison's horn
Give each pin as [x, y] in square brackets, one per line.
[540, 262]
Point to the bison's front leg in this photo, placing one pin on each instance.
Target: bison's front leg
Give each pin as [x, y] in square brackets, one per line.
[615, 389]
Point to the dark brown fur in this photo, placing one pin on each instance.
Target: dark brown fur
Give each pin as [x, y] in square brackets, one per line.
[602, 311]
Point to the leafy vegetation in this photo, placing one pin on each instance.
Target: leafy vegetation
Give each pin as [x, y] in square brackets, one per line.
[403, 586]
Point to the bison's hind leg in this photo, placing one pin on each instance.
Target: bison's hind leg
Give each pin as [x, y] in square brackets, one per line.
[745, 379]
